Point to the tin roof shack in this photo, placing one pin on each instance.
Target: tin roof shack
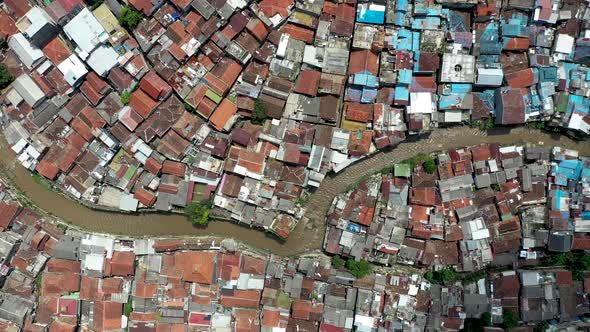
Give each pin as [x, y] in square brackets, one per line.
[546, 294]
[510, 106]
[349, 220]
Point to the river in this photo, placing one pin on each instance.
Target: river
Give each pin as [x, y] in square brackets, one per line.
[307, 236]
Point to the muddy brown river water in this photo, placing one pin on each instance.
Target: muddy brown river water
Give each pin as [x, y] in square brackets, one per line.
[308, 235]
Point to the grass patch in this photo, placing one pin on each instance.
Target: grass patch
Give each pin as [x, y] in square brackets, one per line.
[43, 182]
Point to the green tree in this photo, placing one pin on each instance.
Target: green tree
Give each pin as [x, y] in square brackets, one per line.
[541, 327]
[128, 308]
[259, 113]
[5, 77]
[360, 268]
[125, 97]
[442, 277]
[486, 319]
[509, 320]
[130, 17]
[429, 166]
[188, 107]
[337, 262]
[198, 212]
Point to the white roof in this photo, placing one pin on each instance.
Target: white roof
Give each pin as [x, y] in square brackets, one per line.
[37, 18]
[564, 43]
[103, 59]
[128, 203]
[28, 89]
[453, 116]
[421, 102]
[28, 53]
[73, 69]
[86, 31]
[489, 76]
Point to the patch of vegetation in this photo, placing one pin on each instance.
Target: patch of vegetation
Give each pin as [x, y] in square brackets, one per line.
[578, 263]
[62, 227]
[130, 17]
[429, 166]
[448, 275]
[541, 327]
[478, 324]
[198, 212]
[259, 114]
[5, 77]
[495, 186]
[96, 4]
[125, 98]
[3, 44]
[360, 268]
[188, 107]
[482, 124]
[43, 182]
[442, 277]
[535, 125]
[337, 262]
[509, 320]
[39, 281]
[128, 308]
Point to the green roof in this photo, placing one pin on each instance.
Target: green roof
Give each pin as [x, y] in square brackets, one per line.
[402, 170]
[213, 96]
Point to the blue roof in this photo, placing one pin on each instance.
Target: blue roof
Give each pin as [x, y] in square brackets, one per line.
[402, 93]
[567, 170]
[365, 79]
[366, 15]
[368, 95]
[405, 76]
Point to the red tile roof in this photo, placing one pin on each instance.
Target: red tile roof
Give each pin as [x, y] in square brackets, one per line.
[7, 213]
[174, 168]
[308, 82]
[55, 283]
[145, 197]
[142, 103]
[155, 86]
[47, 169]
[63, 265]
[122, 263]
[107, 316]
[56, 51]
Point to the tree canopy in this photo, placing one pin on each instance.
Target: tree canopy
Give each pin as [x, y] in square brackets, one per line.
[198, 212]
[5, 77]
[429, 166]
[337, 262]
[130, 17]
[360, 268]
[509, 320]
[259, 113]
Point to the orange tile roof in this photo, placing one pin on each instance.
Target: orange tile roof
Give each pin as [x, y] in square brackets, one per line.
[195, 266]
[223, 114]
[56, 51]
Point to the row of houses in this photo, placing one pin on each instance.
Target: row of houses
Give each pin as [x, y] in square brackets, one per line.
[58, 279]
[480, 205]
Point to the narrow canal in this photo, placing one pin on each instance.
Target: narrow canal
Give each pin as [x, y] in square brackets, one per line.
[307, 236]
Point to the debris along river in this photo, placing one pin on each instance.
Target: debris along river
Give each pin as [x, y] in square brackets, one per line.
[309, 233]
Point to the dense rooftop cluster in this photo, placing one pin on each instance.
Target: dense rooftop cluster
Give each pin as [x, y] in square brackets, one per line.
[63, 280]
[156, 117]
[482, 205]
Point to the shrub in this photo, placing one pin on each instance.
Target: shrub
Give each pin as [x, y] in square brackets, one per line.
[125, 97]
[429, 166]
[259, 113]
[509, 320]
[198, 212]
[337, 262]
[360, 268]
[442, 277]
[5, 77]
[188, 107]
[130, 17]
